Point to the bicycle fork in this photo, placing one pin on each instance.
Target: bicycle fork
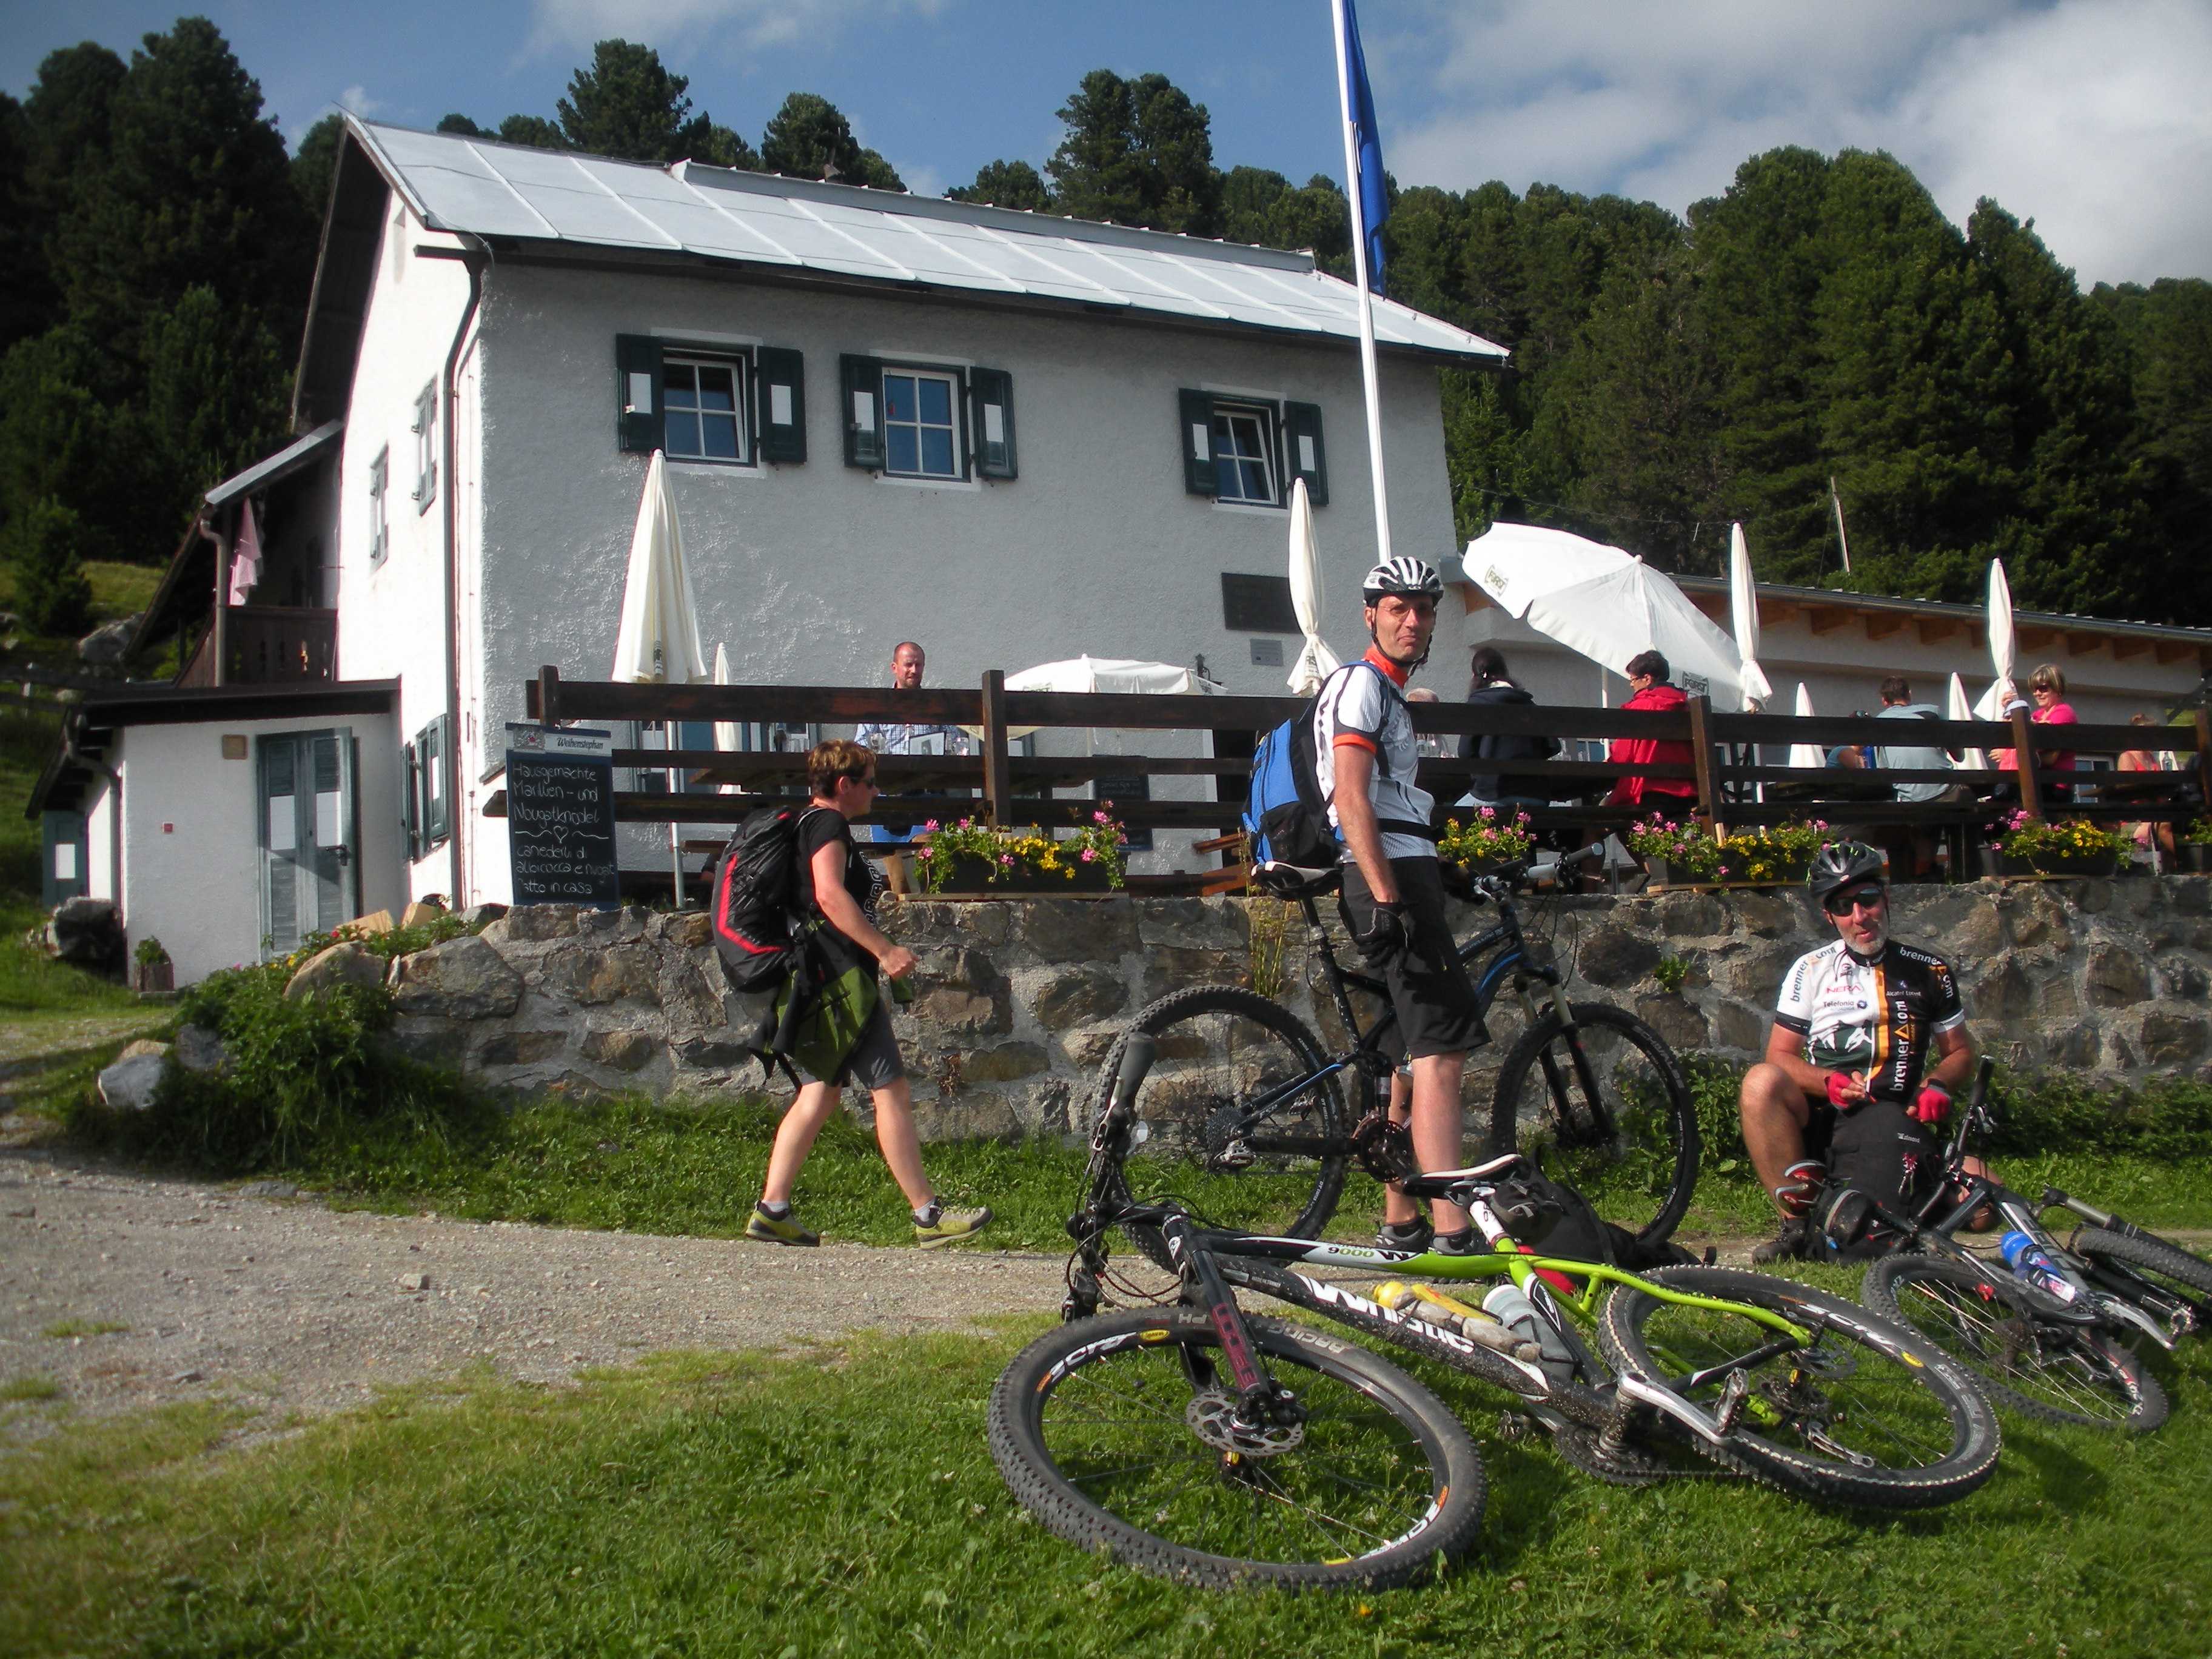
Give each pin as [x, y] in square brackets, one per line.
[1264, 1409]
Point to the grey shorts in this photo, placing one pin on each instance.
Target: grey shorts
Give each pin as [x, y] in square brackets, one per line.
[1435, 1000]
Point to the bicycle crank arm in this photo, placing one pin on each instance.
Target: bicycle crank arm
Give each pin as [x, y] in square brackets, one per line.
[1699, 1423]
[2127, 1313]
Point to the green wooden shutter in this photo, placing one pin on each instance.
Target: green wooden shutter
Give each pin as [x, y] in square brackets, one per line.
[991, 396]
[638, 424]
[862, 416]
[1303, 456]
[410, 801]
[780, 385]
[432, 743]
[1194, 440]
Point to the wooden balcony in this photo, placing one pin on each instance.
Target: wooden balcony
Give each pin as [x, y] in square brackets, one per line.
[268, 645]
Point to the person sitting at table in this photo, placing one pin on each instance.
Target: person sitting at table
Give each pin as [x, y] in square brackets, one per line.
[2146, 760]
[1493, 686]
[1650, 692]
[1897, 704]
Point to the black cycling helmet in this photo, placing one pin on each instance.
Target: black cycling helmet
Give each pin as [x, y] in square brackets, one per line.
[1402, 575]
[1842, 863]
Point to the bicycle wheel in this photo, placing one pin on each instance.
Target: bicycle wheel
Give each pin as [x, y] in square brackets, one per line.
[1871, 1414]
[1114, 1432]
[2060, 1372]
[1606, 1105]
[2179, 1281]
[1221, 1050]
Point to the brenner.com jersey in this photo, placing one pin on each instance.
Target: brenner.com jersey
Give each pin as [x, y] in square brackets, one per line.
[1880, 1017]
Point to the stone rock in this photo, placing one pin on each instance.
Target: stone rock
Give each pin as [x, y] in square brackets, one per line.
[1768, 915]
[622, 1050]
[421, 913]
[1077, 931]
[2092, 898]
[2184, 980]
[592, 974]
[628, 922]
[2003, 993]
[2039, 919]
[528, 923]
[1979, 933]
[2191, 895]
[1088, 1047]
[690, 931]
[1004, 1063]
[1611, 956]
[1192, 924]
[965, 1013]
[2168, 1039]
[414, 1281]
[461, 979]
[1735, 1026]
[689, 1002]
[1167, 968]
[106, 646]
[707, 1053]
[128, 1085]
[971, 1114]
[343, 964]
[84, 931]
[427, 1040]
[269, 1190]
[142, 1046]
[1072, 996]
[1691, 915]
[2077, 1046]
[574, 1085]
[2116, 977]
[477, 917]
[521, 1047]
[1674, 1019]
[200, 1049]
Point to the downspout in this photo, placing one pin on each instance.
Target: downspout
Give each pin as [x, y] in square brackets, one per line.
[475, 254]
[70, 730]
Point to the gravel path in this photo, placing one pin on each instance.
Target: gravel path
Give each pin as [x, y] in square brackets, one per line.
[300, 1309]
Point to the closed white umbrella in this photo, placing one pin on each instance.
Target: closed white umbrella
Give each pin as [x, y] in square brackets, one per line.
[1743, 607]
[2004, 644]
[1956, 707]
[727, 738]
[1806, 754]
[656, 641]
[1316, 662]
[1606, 604]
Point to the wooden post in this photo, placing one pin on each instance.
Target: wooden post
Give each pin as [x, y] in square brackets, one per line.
[549, 695]
[2023, 755]
[1701, 759]
[2203, 763]
[998, 779]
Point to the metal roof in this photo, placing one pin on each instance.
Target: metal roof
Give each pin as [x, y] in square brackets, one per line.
[484, 188]
[285, 462]
[1847, 600]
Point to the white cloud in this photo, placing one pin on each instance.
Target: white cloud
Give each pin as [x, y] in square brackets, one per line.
[750, 22]
[2087, 115]
[356, 100]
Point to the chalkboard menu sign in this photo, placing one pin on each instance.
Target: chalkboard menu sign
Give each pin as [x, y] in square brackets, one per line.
[561, 816]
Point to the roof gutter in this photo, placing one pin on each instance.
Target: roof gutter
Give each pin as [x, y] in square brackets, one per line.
[475, 256]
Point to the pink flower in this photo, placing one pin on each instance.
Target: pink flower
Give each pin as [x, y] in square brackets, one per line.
[1005, 857]
[1088, 854]
[932, 824]
[1489, 812]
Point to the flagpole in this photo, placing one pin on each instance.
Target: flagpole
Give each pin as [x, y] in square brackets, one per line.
[1367, 376]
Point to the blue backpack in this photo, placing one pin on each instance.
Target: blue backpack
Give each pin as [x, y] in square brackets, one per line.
[1285, 813]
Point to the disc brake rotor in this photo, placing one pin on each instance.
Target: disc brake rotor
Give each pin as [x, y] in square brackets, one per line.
[1211, 1415]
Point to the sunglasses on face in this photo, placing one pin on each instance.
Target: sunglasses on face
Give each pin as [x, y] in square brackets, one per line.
[1842, 904]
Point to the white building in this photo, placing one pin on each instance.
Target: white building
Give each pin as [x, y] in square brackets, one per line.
[1013, 438]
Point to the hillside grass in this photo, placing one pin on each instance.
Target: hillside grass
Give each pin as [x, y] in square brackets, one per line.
[840, 1499]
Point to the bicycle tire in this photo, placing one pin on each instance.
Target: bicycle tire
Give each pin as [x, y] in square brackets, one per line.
[1217, 1044]
[2150, 1257]
[1655, 1121]
[1933, 1432]
[2041, 1368]
[1382, 1483]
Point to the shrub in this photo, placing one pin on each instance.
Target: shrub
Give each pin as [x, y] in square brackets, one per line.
[51, 589]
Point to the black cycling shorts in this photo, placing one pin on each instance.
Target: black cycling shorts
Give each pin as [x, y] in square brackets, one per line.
[1429, 986]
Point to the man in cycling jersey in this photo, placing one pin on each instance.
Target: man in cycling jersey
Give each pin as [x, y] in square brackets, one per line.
[1867, 1030]
[1365, 755]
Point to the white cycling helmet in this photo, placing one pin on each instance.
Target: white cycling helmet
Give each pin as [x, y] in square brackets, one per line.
[1402, 575]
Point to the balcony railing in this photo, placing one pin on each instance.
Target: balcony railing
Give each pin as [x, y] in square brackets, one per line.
[267, 645]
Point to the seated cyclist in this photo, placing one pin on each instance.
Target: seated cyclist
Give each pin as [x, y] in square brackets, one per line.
[1869, 1044]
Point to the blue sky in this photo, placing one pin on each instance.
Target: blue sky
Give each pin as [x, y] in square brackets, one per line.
[2088, 115]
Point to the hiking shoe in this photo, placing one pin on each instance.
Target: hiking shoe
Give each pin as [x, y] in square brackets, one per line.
[768, 1229]
[1462, 1243]
[951, 1227]
[1413, 1235]
[1786, 1245]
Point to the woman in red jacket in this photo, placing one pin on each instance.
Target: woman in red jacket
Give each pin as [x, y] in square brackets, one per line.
[1649, 691]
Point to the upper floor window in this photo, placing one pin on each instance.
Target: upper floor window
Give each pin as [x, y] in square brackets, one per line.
[739, 407]
[705, 415]
[426, 447]
[380, 528]
[913, 421]
[920, 438]
[1243, 455]
[1248, 451]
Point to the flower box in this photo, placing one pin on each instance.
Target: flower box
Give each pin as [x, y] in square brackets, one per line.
[970, 874]
[2068, 865]
[2194, 855]
[1664, 874]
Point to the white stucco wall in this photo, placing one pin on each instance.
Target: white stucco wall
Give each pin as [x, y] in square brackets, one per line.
[192, 868]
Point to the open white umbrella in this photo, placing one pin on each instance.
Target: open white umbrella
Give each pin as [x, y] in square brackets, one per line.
[656, 641]
[1806, 754]
[1316, 662]
[1607, 605]
[1956, 707]
[1086, 673]
[1743, 609]
[2004, 644]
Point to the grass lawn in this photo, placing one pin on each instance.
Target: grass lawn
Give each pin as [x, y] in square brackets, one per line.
[840, 1499]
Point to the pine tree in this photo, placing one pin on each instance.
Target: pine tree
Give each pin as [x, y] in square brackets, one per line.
[810, 138]
[535, 130]
[626, 105]
[1007, 185]
[51, 593]
[1136, 152]
[315, 163]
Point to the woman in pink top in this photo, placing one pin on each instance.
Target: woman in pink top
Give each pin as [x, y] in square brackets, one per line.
[2047, 686]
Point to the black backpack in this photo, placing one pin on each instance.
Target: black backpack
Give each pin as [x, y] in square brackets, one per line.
[1552, 1218]
[1878, 1152]
[756, 899]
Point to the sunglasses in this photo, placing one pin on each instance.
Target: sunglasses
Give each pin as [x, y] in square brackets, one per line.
[1842, 904]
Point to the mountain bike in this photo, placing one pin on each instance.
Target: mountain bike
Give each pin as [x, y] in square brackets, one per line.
[1200, 1443]
[2060, 1354]
[1241, 1089]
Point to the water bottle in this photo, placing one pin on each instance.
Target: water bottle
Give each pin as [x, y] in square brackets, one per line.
[1431, 1306]
[1509, 1308]
[2031, 1267]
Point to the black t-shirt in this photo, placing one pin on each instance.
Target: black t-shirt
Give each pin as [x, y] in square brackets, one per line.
[821, 826]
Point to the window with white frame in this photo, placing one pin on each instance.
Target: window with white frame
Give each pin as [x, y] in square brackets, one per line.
[426, 447]
[379, 529]
[1243, 455]
[703, 400]
[921, 436]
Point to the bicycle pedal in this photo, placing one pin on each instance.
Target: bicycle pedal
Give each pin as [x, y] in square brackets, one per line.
[1237, 1155]
[1735, 1393]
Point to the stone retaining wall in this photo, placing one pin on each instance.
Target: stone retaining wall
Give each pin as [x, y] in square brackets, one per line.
[1018, 999]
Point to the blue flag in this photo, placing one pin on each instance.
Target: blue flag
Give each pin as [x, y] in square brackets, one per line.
[1374, 205]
